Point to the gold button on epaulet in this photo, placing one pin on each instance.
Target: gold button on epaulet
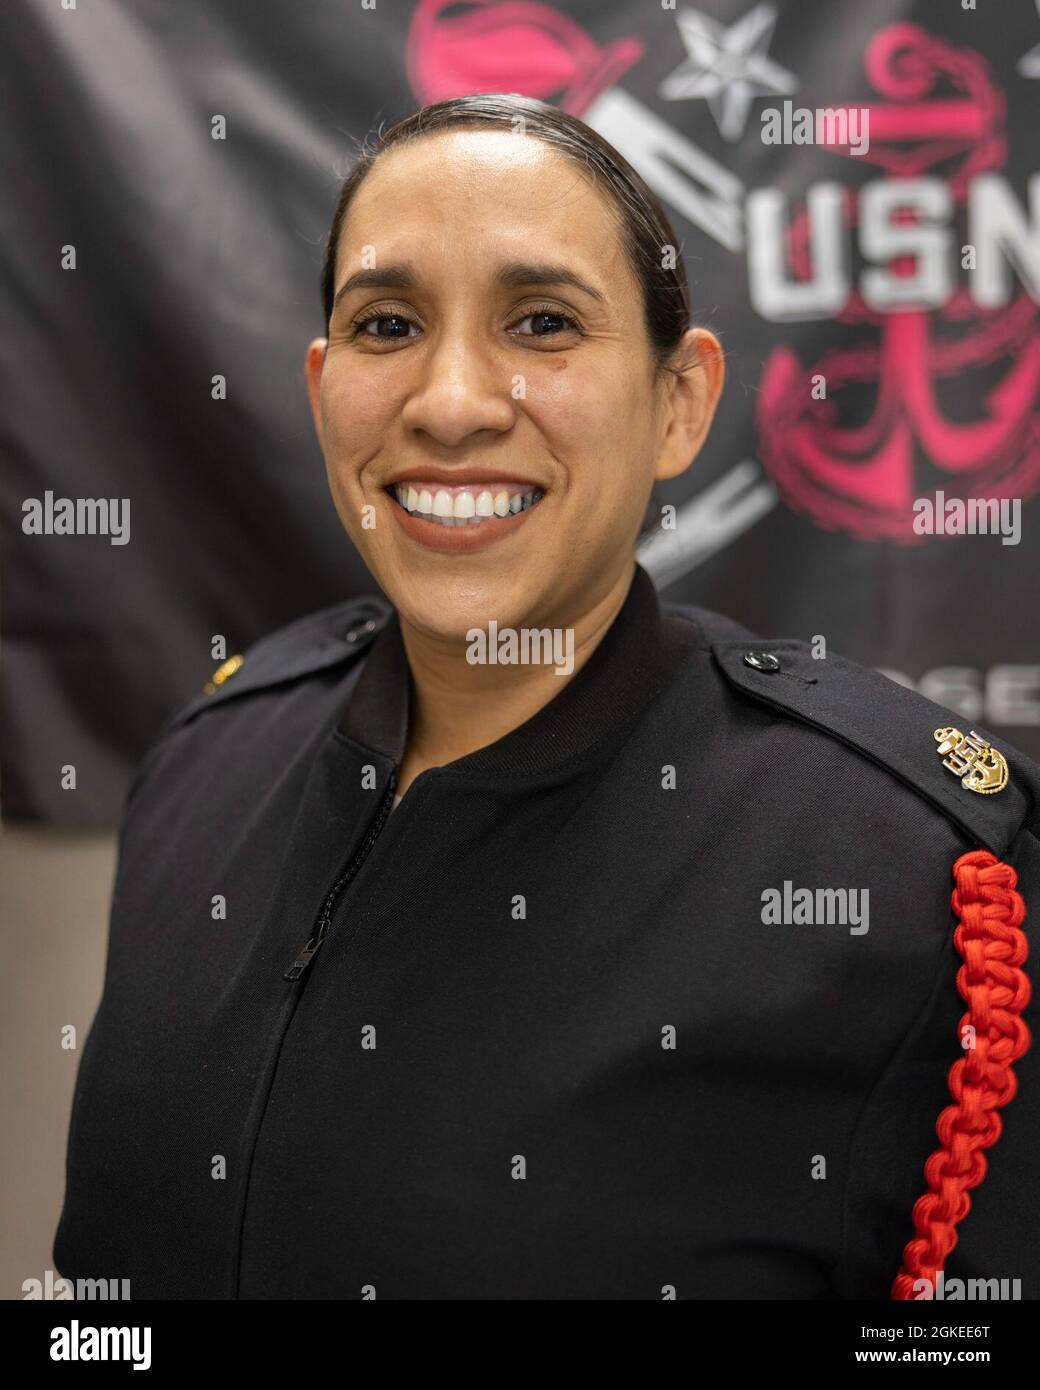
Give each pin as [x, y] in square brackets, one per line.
[223, 673]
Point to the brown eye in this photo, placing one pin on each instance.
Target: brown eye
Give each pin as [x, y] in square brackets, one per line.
[546, 323]
[399, 330]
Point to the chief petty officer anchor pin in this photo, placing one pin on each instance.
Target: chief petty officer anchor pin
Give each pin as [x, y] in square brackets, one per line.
[977, 763]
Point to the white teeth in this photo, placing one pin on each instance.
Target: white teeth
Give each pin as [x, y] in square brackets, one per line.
[466, 508]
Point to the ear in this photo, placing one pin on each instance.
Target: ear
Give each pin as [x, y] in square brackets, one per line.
[692, 398]
[313, 364]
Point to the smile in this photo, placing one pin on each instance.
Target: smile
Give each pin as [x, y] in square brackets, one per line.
[459, 519]
[468, 506]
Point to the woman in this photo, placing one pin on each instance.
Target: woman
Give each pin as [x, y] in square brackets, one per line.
[525, 937]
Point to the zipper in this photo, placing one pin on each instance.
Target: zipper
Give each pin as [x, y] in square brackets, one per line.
[313, 945]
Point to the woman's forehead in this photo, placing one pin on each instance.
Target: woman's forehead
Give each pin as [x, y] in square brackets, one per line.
[430, 206]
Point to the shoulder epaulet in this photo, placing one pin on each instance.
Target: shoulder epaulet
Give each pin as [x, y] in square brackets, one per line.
[312, 643]
[986, 786]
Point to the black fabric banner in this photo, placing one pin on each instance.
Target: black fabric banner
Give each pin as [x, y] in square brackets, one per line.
[856, 190]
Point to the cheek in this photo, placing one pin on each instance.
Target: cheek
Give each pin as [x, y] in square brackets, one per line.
[600, 428]
[569, 404]
[587, 405]
[355, 412]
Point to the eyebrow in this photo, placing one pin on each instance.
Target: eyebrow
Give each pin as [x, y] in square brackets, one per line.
[511, 275]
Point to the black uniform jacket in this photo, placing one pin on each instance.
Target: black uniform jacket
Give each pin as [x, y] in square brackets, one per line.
[555, 1027]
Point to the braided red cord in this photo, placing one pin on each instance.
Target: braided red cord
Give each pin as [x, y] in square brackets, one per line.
[989, 913]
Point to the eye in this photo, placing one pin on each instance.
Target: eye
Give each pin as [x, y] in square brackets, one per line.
[543, 317]
[382, 317]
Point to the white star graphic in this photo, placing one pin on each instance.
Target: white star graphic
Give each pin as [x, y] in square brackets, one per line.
[728, 67]
[1029, 63]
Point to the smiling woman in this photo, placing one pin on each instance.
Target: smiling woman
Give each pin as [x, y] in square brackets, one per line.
[556, 1028]
[507, 334]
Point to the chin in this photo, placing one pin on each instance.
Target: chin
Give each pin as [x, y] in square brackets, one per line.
[451, 608]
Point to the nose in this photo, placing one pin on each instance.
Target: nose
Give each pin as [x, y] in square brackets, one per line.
[464, 389]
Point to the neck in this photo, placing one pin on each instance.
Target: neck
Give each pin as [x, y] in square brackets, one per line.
[458, 707]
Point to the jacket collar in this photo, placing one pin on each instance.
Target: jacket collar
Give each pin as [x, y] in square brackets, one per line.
[634, 660]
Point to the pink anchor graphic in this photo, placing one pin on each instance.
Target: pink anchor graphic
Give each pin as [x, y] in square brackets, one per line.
[863, 478]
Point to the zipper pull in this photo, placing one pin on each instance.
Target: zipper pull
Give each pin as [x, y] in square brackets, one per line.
[304, 959]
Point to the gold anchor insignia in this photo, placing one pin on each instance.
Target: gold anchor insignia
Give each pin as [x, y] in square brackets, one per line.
[222, 674]
[980, 766]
